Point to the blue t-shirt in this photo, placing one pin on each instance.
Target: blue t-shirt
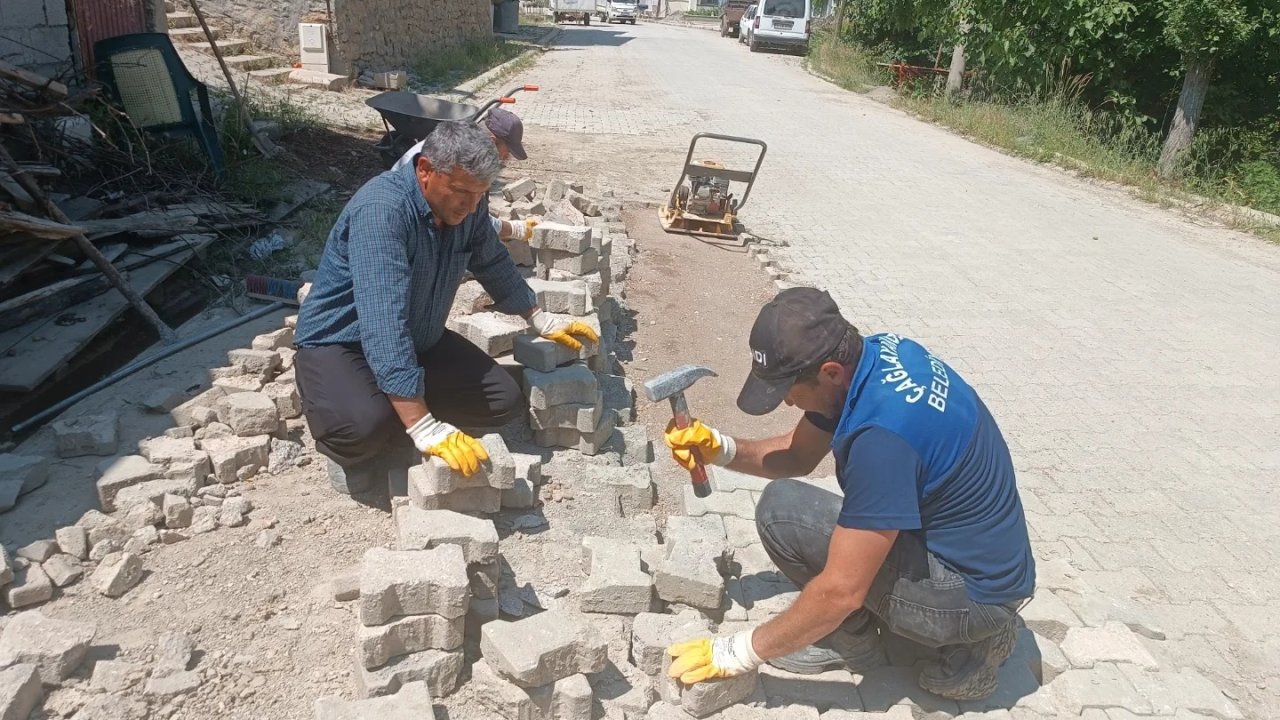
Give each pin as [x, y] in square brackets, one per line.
[916, 450]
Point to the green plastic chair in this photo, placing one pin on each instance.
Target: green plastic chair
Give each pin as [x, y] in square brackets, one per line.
[145, 75]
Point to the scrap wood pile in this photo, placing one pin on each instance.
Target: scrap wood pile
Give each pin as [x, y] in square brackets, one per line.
[89, 224]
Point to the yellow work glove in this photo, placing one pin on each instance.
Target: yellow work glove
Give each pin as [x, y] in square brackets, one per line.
[434, 438]
[566, 331]
[530, 223]
[714, 447]
[713, 658]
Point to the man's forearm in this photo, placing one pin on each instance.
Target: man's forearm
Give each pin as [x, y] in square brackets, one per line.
[410, 410]
[770, 458]
[817, 613]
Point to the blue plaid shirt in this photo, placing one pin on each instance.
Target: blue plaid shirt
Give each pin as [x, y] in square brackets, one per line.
[388, 277]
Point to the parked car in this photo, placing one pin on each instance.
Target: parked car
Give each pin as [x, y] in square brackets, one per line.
[782, 24]
[617, 10]
[731, 17]
[579, 10]
[747, 23]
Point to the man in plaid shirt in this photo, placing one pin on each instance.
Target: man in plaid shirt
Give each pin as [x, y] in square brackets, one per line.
[374, 357]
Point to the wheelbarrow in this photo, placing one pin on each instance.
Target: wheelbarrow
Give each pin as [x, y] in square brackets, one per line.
[409, 117]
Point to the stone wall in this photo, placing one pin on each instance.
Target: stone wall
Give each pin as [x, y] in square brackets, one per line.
[393, 34]
[34, 34]
[269, 24]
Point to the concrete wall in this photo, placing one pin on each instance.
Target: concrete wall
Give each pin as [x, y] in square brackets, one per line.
[35, 34]
[270, 24]
[393, 34]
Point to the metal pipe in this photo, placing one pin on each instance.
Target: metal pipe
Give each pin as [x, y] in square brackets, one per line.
[146, 362]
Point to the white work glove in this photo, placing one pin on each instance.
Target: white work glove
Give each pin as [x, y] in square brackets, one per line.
[462, 452]
[566, 331]
[707, 658]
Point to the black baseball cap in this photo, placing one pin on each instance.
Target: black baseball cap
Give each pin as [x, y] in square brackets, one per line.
[507, 127]
[796, 330]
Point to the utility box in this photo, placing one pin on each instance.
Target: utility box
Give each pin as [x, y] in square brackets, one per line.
[313, 41]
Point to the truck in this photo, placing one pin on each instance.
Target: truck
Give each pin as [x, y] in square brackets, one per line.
[579, 10]
[623, 11]
[731, 16]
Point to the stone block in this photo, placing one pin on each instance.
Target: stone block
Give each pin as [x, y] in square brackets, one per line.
[584, 204]
[250, 414]
[141, 540]
[500, 696]
[583, 418]
[198, 411]
[544, 648]
[519, 189]
[177, 457]
[413, 582]
[567, 297]
[689, 575]
[634, 445]
[592, 443]
[419, 529]
[632, 487]
[545, 355]
[434, 477]
[437, 668]
[412, 702]
[229, 454]
[115, 676]
[409, 634]
[30, 585]
[619, 396]
[738, 503]
[1113, 642]
[177, 511]
[1049, 616]
[492, 332]
[143, 514]
[653, 633]
[38, 551]
[471, 501]
[232, 384]
[152, 491]
[705, 698]
[86, 435]
[19, 475]
[63, 569]
[522, 496]
[555, 192]
[274, 340]
[707, 532]
[117, 574]
[484, 578]
[574, 264]
[1184, 690]
[1102, 686]
[1043, 656]
[521, 253]
[55, 647]
[286, 398]
[73, 540]
[574, 384]
[20, 692]
[163, 400]
[122, 472]
[561, 238]
[254, 362]
[616, 582]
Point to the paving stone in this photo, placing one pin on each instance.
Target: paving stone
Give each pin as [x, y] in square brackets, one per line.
[653, 633]
[169, 537]
[897, 712]
[1113, 642]
[250, 414]
[635, 446]
[1049, 616]
[434, 477]
[55, 647]
[492, 332]
[632, 486]
[30, 585]
[412, 702]
[198, 411]
[73, 540]
[726, 480]
[572, 416]
[63, 569]
[568, 297]
[437, 668]
[767, 596]
[413, 582]
[483, 579]
[122, 472]
[519, 189]
[740, 533]
[471, 501]
[117, 574]
[619, 396]
[584, 204]
[410, 634]
[1170, 691]
[152, 491]
[884, 687]
[20, 692]
[544, 648]
[426, 529]
[500, 695]
[233, 384]
[38, 551]
[1102, 686]
[738, 503]
[274, 340]
[177, 511]
[559, 237]
[574, 384]
[115, 676]
[824, 691]
[141, 540]
[254, 362]
[229, 454]
[169, 686]
[286, 398]
[626, 699]
[616, 583]
[523, 495]
[705, 698]
[1042, 655]
[178, 457]
[143, 514]
[569, 699]
[590, 444]
[86, 435]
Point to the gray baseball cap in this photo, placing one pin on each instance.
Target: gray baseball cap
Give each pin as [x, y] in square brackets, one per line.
[506, 126]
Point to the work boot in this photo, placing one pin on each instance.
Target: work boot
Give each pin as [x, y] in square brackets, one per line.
[841, 650]
[968, 672]
[358, 478]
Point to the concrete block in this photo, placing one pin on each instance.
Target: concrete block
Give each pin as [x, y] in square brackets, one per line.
[434, 477]
[573, 264]
[63, 569]
[521, 253]
[522, 496]
[21, 473]
[163, 400]
[151, 491]
[38, 551]
[20, 692]
[555, 192]
[727, 481]
[592, 443]
[321, 81]
[831, 690]
[584, 204]
[500, 696]
[738, 503]
[143, 514]
[122, 472]
[562, 238]
[574, 384]
[274, 340]
[30, 585]
[632, 487]
[471, 501]
[102, 527]
[177, 457]
[619, 396]
[483, 579]
[653, 633]
[250, 414]
[705, 698]
[492, 332]
[426, 529]
[519, 189]
[568, 297]
[229, 454]
[86, 435]
[545, 355]
[1043, 656]
[286, 398]
[544, 648]
[177, 511]
[583, 417]
[117, 574]
[73, 540]
[198, 409]
[437, 668]
[254, 362]
[567, 699]
[528, 467]
[634, 445]
[409, 634]
[616, 583]
[1113, 642]
[413, 582]
[412, 702]
[55, 647]
[232, 384]
[689, 574]
[1102, 686]
[1184, 690]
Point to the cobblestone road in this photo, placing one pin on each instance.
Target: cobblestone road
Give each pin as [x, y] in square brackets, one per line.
[1128, 353]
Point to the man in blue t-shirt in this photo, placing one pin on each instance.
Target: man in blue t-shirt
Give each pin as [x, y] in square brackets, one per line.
[929, 539]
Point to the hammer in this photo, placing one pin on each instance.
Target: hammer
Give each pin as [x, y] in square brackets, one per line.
[671, 386]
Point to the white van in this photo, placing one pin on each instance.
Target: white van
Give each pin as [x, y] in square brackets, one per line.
[782, 24]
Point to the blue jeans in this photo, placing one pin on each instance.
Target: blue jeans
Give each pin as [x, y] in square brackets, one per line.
[913, 595]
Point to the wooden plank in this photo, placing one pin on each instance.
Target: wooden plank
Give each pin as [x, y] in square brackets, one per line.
[21, 256]
[35, 351]
[8, 118]
[48, 86]
[21, 197]
[39, 227]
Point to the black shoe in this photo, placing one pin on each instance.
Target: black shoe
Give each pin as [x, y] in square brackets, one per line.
[841, 650]
[968, 672]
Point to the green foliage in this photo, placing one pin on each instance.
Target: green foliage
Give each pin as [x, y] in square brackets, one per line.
[466, 61]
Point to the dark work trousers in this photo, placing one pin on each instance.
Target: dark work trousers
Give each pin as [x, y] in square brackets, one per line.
[913, 595]
[352, 420]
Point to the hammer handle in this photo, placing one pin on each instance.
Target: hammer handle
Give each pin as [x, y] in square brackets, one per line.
[698, 475]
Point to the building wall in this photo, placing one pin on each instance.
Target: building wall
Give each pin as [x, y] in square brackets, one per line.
[269, 24]
[392, 34]
[35, 34]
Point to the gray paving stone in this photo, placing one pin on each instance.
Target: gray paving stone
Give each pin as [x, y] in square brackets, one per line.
[705, 698]
[884, 687]
[1102, 686]
[20, 691]
[409, 634]
[29, 586]
[117, 574]
[1114, 643]
[437, 668]
[55, 647]
[1185, 690]
[834, 689]
[413, 582]
[412, 702]
[1042, 656]
[615, 582]
[425, 529]
[544, 648]
[738, 503]
[86, 435]
[122, 472]
[653, 633]
[1049, 616]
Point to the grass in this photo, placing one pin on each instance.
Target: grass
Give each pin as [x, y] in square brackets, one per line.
[703, 13]
[456, 65]
[848, 66]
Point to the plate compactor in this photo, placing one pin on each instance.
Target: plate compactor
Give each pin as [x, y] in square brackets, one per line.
[703, 201]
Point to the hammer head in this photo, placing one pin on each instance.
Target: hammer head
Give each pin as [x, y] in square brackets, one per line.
[674, 382]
